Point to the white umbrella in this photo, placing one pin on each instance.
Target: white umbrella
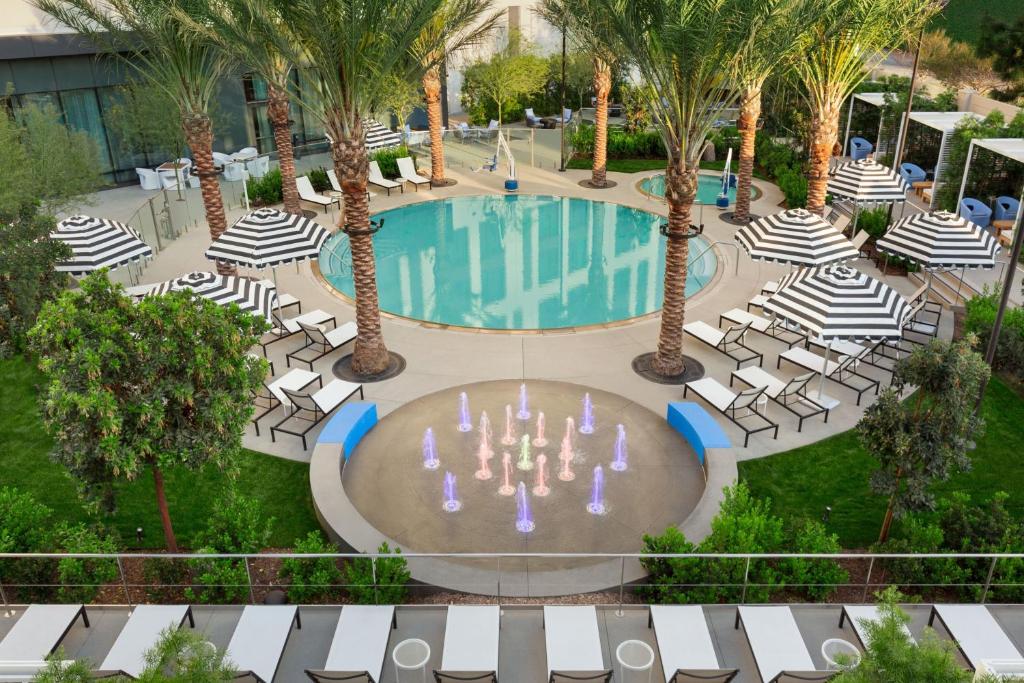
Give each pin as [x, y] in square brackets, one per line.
[797, 237]
[223, 290]
[98, 243]
[867, 181]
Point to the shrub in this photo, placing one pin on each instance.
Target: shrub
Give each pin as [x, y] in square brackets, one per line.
[319, 180]
[672, 580]
[793, 184]
[81, 579]
[817, 579]
[644, 144]
[62, 669]
[979, 319]
[266, 190]
[387, 159]
[385, 583]
[918, 536]
[313, 579]
[237, 526]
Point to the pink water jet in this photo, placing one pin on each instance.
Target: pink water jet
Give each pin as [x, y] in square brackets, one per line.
[569, 440]
[619, 464]
[540, 487]
[565, 456]
[465, 421]
[540, 441]
[485, 436]
[587, 421]
[524, 404]
[430, 460]
[506, 488]
[483, 473]
[510, 438]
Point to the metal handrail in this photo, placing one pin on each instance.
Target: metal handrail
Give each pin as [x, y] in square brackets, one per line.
[724, 243]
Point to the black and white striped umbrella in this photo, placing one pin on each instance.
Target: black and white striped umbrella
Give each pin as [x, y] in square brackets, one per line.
[268, 237]
[98, 243]
[866, 180]
[838, 302]
[377, 136]
[224, 290]
[797, 237]
[940, 240]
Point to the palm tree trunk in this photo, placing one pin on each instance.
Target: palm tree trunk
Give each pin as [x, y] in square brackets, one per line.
[750, 112]
[199, 133]
[278, 111]
[602, 87]
[680, 191]
[432, 95]
[370, 356]
[824, 133]
[165, 514]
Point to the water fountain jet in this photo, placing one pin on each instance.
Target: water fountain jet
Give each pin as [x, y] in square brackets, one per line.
[524, 405]
[451, 497]
[465, 421]
[587, 420]
[540, 441]
[430, 460]
[524, 518]
[506, 488]
[525, 463]
[540, 487]
[509, 438]
[596, 505]
[619, 464]
[485, 436]
[566, 454]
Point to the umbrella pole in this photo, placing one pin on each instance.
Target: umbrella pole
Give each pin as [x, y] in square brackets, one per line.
[824, 371]
[856, 215]
[277, 297]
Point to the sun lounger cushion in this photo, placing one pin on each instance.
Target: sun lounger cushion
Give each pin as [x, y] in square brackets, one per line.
[140, 634]
[361, 640]
[775, 641]
[811, 361]
[572, 640]
[713, 391]
[317, 317]
[704, 332]
[684, 640]
[471, 639]
[857, 615]
[38, 632]
[978, 635]
[259, 639]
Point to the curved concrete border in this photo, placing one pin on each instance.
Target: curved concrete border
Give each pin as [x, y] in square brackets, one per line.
[510, 577]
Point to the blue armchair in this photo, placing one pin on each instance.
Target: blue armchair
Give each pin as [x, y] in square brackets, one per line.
[1006, 209]
[860, 148]
[975, 211]
[912, 173]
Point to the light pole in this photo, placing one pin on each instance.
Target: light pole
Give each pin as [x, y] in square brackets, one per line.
[561, 113]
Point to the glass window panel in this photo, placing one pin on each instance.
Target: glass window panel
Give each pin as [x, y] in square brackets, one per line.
[82, 112]
[125, 160]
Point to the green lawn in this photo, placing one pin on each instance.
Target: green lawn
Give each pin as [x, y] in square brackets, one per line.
[966, 20]
[834, 472]
[281, 486]
[620, 165]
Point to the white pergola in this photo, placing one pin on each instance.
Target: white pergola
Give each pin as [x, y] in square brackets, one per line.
[1011, 148]
[946, 123]
[874, 99]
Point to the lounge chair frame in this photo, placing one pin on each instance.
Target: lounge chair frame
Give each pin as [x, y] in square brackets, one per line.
[730, 343]
[792, 397]
[744, 400]
[931, 620]
[283, 333]
[316, 347]
[305, 409]
[775, 330]
[843, 374]
[297, 622]
[704, 675]
[318, 675]
[874, 357]
[816, 676]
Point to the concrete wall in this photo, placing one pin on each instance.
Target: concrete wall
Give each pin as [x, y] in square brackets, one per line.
[969, 100]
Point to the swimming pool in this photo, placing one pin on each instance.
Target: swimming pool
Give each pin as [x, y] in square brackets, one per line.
[708, 187]
[517, 262]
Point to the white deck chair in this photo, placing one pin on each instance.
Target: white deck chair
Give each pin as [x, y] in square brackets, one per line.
[573, 645]
[377, 178]
[791, 394]
[977, 634]
[841, 372]
[34, 637]
[260, 638]
[289, 326]
[321, 342]
[470, 644]
[775, 328]
[407, 171]
[359, 646]
[308, 194]
[857, 615]
[739, 408]
[730, 342]
[685, 646]
[141, 633]
[778, 648]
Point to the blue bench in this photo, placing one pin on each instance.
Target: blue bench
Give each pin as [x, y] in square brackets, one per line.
[698, 427]
[349, 425]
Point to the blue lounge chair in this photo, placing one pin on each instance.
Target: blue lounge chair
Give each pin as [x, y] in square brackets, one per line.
[1006, 209]
[860, 148]
[975, 211]
[912, 173]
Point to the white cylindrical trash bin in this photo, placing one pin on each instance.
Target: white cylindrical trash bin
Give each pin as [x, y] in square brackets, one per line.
[410, 658]
[636, 661]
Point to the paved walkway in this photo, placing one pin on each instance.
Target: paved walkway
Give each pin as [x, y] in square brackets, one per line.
[438, 359]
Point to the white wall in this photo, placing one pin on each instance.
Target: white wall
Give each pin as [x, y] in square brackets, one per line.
[18, 18]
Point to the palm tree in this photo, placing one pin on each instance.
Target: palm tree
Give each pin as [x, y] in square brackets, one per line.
[167, 54]
[684, 50]
[835, 53]
[432, 47]
[227, 23]
[590, 33]
[346, 48]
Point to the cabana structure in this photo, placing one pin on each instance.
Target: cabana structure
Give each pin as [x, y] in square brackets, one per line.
[865, 119]
[927, 143]
[994, 169]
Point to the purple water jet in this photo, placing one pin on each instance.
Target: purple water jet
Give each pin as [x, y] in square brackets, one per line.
[430, 460]
[620, 464]
[524, 518]
[509, 438]
[451, 496]
[465, 421]
[596, 505]
[506, 488]
[587, 420]
[541, 441]
[524, 404]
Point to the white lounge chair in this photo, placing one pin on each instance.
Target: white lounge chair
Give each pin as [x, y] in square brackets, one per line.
[234, 171]
[735, 407]
[141, 633]
[34, 637]
[148, 180]
[566, 115]
[977, 634]
[332, 177]
[311, 409]
[308, 194]
[858, 616]
[730, 342]
[778, 648]
[470, 644]
[245, 154]
[286, 327]
[757, 302]
[842, 372]
[531, 118]
[791, 395]
[260, 638]
[685, 646]
[776, 328]
[377, 178]
[359, 645]
[220, 159]
[407, 171]
[572, 642]
[320, 342]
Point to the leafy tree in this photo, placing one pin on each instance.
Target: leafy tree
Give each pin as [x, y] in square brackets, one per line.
[398, 96]
[841, 46]
[1004, 44]
[982, 184]
[925, 439]
[509, 74]
[956, 64]
[378, 581]
[144, 117]
[312, 579]
[184, 656]
[165, 53]
[130, 387]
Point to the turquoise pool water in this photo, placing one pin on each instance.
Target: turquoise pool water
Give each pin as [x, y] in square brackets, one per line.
[708, 187]
[514, 262]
